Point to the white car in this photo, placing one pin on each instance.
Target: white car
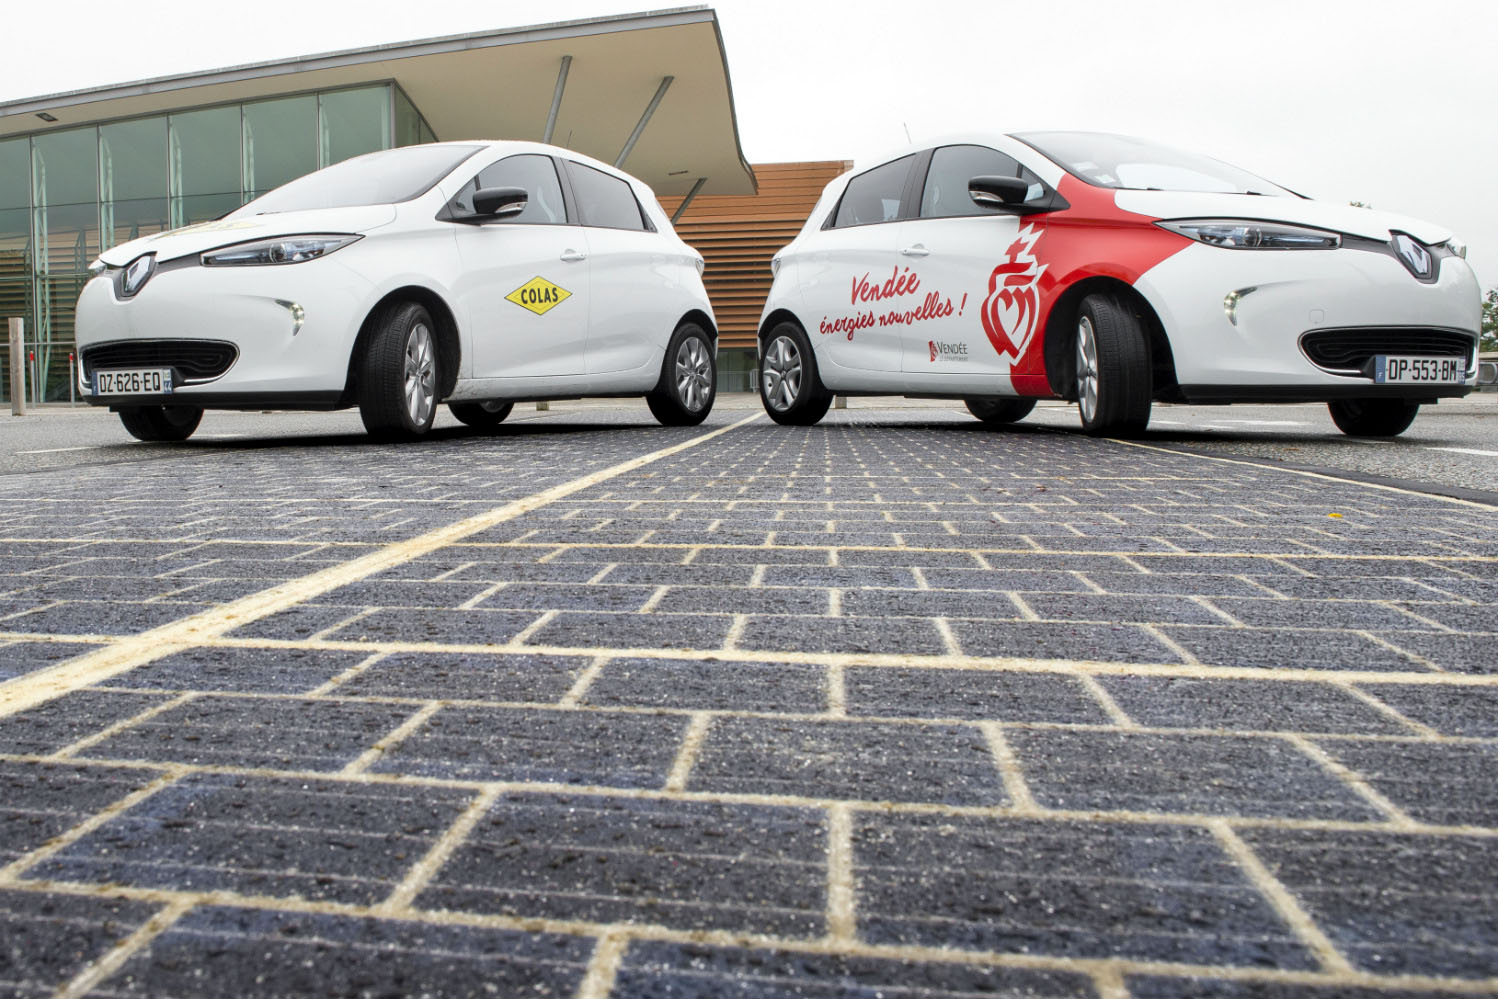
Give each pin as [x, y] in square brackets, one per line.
[479, 274]
[1002, 269]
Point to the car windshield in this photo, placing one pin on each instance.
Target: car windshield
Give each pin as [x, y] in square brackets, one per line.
[383, 178]
[1124, 163]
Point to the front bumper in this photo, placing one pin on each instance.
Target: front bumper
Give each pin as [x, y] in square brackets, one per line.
[278, 360]
[1236, 319]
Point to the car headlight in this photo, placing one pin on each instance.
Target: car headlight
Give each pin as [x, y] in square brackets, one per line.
[280, 250]
[1249, 234]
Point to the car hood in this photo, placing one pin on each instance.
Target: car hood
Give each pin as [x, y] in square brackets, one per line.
[1319, 214]
[208, 235]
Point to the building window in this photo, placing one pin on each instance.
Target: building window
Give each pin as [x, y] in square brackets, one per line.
[204, 151]
[351, 122]
[66, 195]
[281, 142]
[15, 236]
[132, 180]
[410, 128]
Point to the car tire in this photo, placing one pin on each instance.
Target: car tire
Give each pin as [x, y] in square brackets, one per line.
[1112, 367]
[789, 385]
[684, 395]
[160, 423]
[999, 410]
[398, 376]
[485, 415]
[1372, 417]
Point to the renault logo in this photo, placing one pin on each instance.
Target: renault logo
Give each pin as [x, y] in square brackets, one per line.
[1413, 254]
[137, 273]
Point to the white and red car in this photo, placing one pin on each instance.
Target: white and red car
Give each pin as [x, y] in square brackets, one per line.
[1003, 269]
[479, 274]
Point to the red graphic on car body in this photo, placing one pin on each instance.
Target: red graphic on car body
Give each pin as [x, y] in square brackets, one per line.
[1091, 238]
[1010, 311]
[931, 350]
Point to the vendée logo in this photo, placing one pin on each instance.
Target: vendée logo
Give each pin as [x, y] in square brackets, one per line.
[947, 351]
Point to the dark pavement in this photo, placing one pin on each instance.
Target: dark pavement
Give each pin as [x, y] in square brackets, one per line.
[891, 706]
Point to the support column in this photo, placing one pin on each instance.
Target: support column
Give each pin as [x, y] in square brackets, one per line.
[688, 200]
[17, 367]
[640, 127]
[557, 94]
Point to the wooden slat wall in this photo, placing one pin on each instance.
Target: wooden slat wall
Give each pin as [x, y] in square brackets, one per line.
[738, 234]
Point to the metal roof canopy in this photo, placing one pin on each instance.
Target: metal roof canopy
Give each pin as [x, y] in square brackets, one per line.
[649, 91]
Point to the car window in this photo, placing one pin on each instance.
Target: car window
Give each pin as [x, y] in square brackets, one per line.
[604, 201]
[536, 174]
[873, 196]
[384, 178]
[946, 193]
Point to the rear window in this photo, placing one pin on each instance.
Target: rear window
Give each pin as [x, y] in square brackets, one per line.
[384, 178]
[604, 201]
[874, 196]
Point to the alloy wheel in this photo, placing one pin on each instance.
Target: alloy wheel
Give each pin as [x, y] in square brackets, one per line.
[781, 373]
[1088, 369]
[693, 374]
[420, 376]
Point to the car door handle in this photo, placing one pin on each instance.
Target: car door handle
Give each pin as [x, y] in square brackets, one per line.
[915, 251]
[573, 256]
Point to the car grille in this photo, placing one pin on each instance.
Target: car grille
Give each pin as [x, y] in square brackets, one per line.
[194, 360]
[1352, 349]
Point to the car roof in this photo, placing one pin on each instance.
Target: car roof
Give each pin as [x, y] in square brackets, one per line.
[1005, 142]
[516, 146]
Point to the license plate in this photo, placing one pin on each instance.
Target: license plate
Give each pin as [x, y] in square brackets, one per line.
[138, 381]
[1391, 369]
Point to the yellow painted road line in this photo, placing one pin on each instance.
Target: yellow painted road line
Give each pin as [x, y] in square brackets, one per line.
[31, 689]
[97, 971]
[169, 774]
[1281, 900]
[599, 980]
[687, 754]
[841, 921]
[884, 807]
[556, 548]
[423, 871]
[880, 659]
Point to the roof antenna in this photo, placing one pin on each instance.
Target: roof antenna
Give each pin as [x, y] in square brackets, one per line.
[908, 133]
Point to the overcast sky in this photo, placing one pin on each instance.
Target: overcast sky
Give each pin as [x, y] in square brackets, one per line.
[1392, 104]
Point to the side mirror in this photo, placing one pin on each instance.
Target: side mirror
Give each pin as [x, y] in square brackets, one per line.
[500, 202]
[997, 192]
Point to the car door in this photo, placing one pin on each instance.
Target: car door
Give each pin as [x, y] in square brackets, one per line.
[524, 290]
[853, 275]
[630, 282]
[979, 273]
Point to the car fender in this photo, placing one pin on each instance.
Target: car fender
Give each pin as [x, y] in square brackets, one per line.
[1092, 238]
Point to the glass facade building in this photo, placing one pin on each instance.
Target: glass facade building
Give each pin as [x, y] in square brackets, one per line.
[68, 194]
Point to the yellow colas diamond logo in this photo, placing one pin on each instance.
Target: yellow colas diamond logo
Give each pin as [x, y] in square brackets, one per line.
[538, 295]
